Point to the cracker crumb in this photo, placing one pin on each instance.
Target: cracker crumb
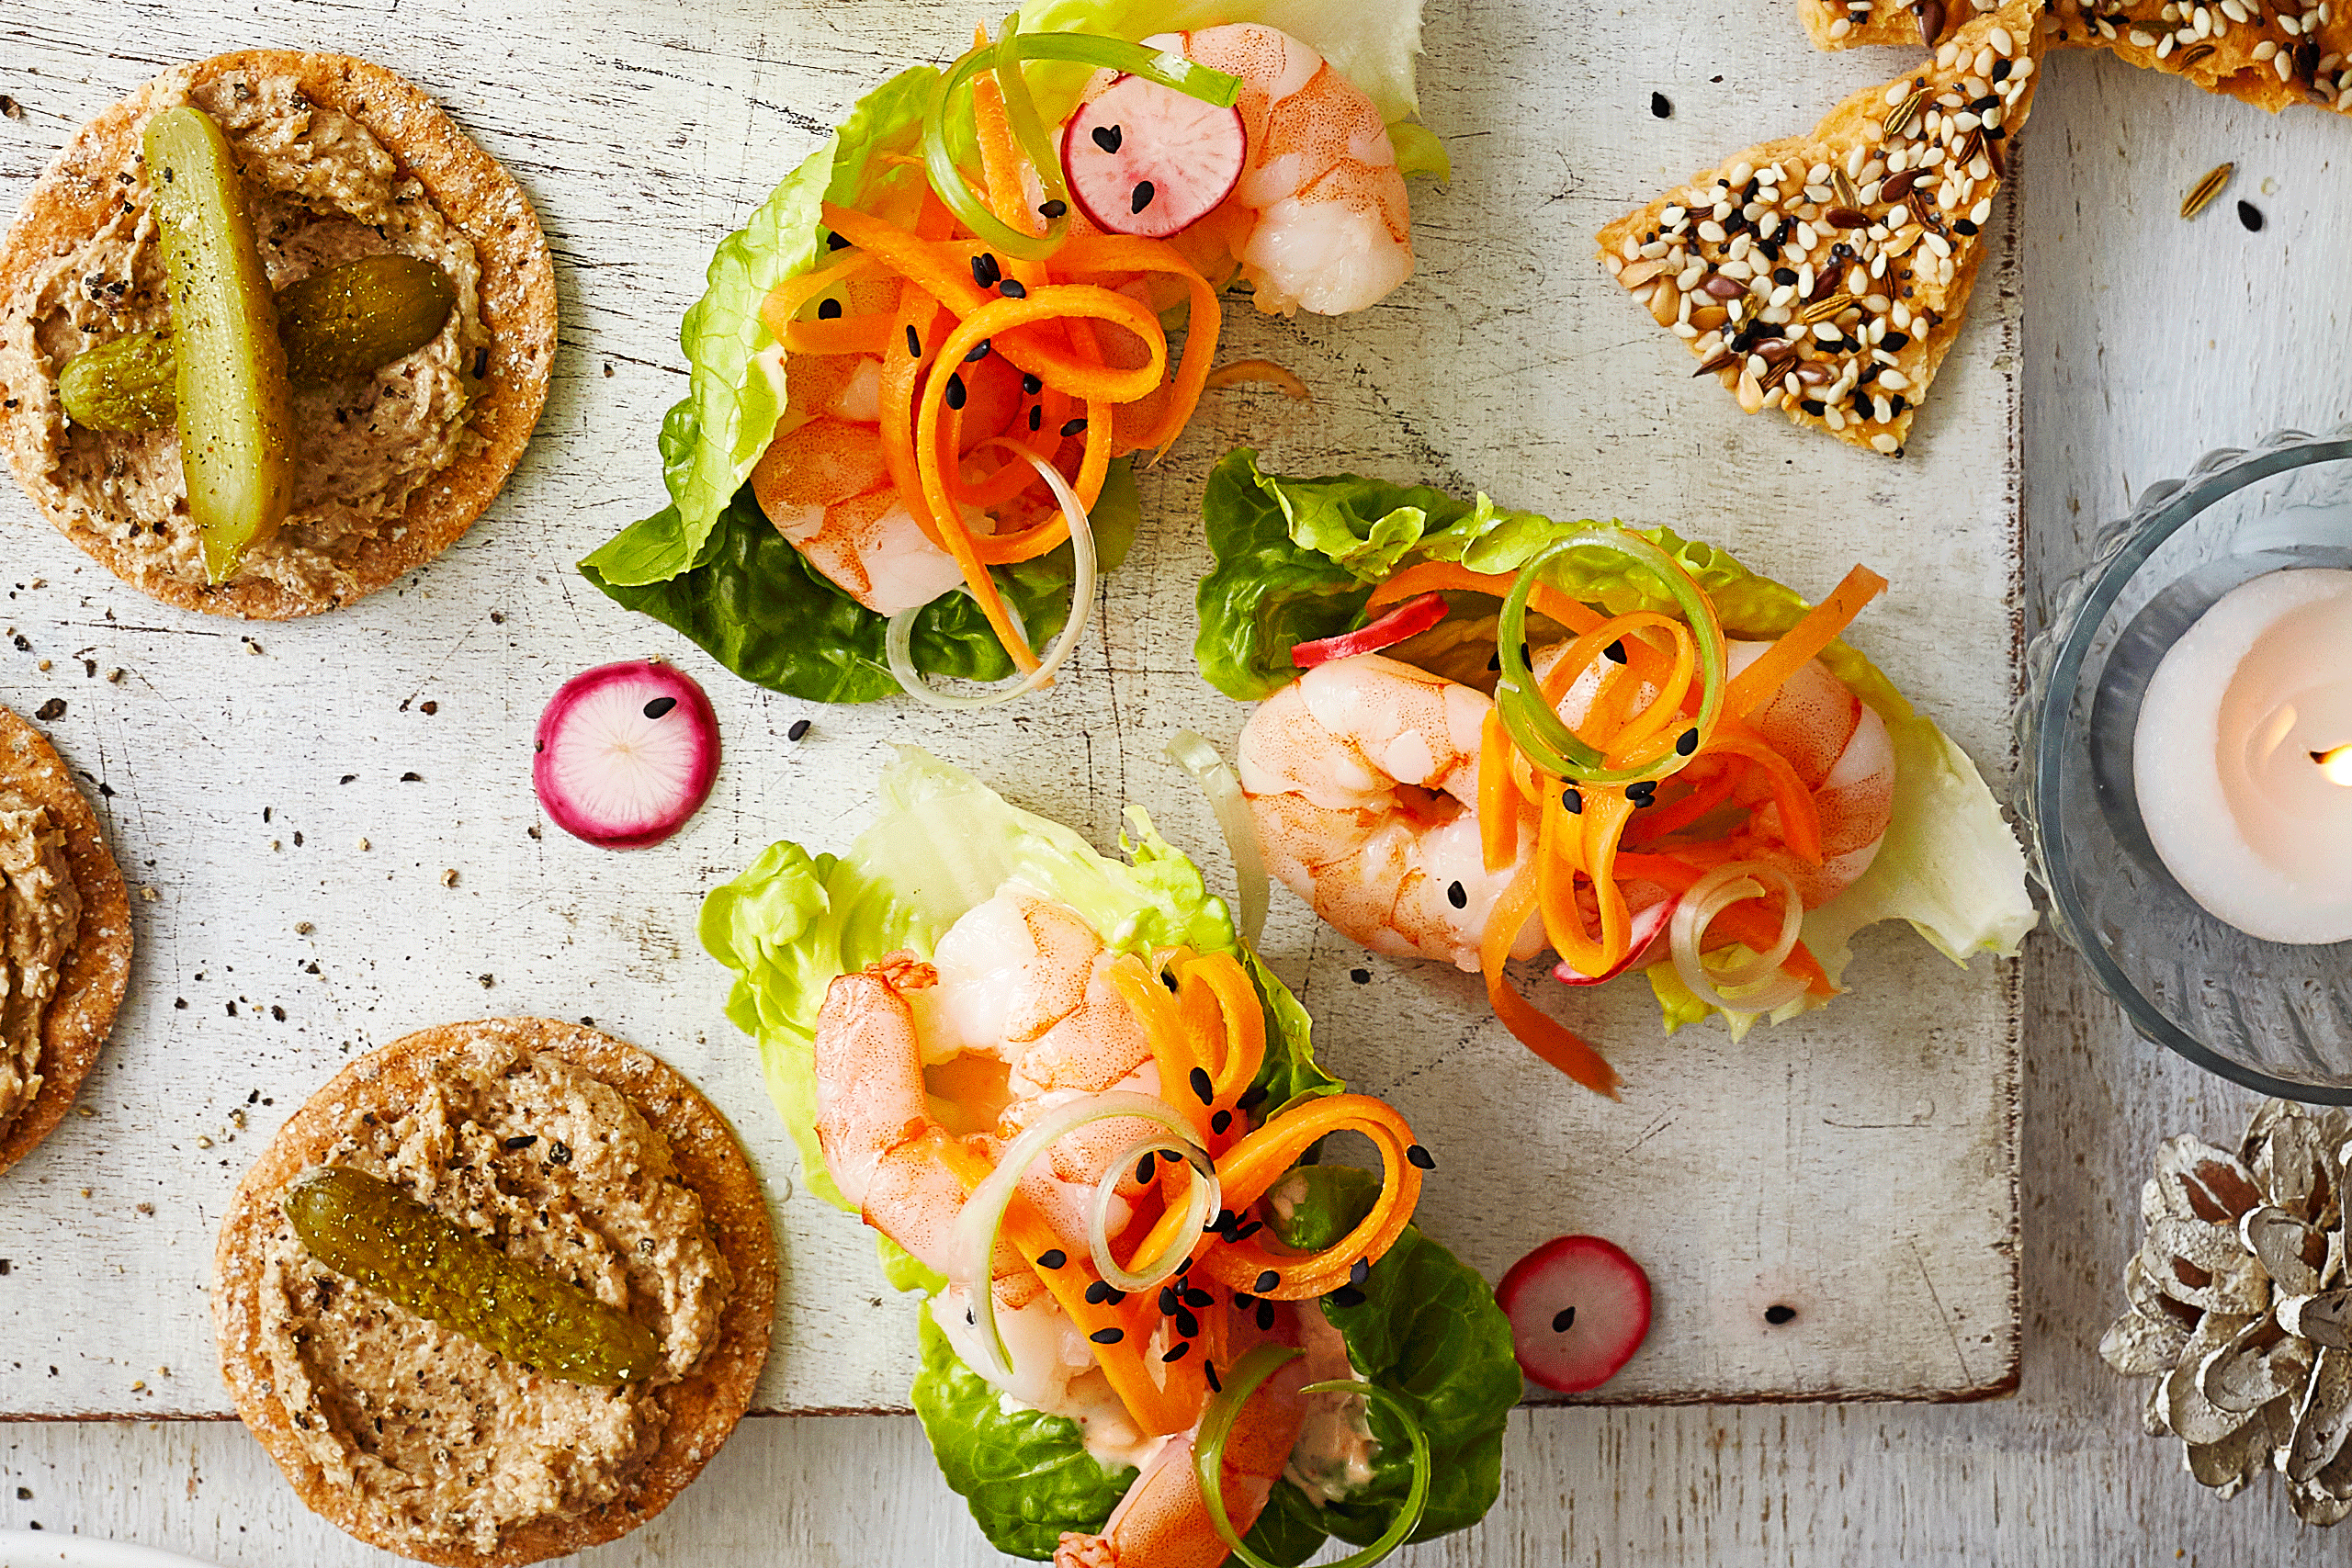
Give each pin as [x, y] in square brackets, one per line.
[363, 843]
[202, 1142]
[83, 1110]
[146, 1208]
[148, 893]
[139, 1385]
[303, 928]
[449, 877]
[115, 676]
[42, 666]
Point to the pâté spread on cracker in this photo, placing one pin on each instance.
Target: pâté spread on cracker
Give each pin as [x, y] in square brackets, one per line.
[497, 1292]
[64, 938]
[367, 308]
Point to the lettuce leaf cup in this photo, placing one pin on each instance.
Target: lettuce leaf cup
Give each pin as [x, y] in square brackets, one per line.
[1653, 753]
[1099, 1362]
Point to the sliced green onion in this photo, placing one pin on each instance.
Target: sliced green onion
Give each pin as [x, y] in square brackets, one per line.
[1004, 57]
[899, 634]
[1217, 1424]
[1536, 727]
[972, 1245]
[1201, 1205]
[1209, 768]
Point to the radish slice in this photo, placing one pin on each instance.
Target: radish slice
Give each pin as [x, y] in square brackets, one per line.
[626, 753]
[1143, 159]
[1648, 928]
[1411, 618]
[1578, 1309]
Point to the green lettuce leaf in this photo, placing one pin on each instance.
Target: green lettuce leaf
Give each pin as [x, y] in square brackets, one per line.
[710, 441]
[1429, 1331]
[755, 604]
[1298, 559]
[943, 843]
[1025, 1475]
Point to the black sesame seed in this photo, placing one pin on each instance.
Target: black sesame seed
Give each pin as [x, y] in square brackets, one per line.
[979, 352]
[1457, 896]
[1265, 1317]
[828, 309]
[1564, 1320]
[1073, 428]
[1572, 801]
[1963, 227]
[1784, 276]
[1346, 1296]
[1243, 1300]
[1208, 1371]
[1421, 1157]
[1176, 1352]
[523, 1141]
[1894, 343]
[1256, 1097]
[1220, 1122]
[1199, 1078]
[1167, 1299]
[1813, 406]
[1187, 1324]
[1661, 106]
[1053, 1258]
[1779, 1314]
[1361, 977]
[1013, 288]
[836, 242]
[1053, 209]
[2251, 216]
[1615, 652]
[1036, 415]
[1097, 1293]
[1108, 1336]
[1266, 1281]
[1144, 1168]
[1108, 137]
[1244, 1233]
[985, 271]
[1688, 743]
[658, 706]
[914, 343]
[1196, 1297]
[799, 728]
[1145, 191]
[1359, 1272]
[1031, 386]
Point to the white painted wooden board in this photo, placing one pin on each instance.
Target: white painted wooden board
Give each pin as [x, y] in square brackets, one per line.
[2143, 343]
[1857, 1166]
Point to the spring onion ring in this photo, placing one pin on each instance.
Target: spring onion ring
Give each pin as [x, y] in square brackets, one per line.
[972, 1245]
[897, 642]
[1217, 1424]
[1538, 728]
[1201, 1200]
[1209, 768]
[1004, 57]
[1711, 896]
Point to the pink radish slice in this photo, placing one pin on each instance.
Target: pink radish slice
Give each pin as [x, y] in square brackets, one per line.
[626, 753]
[1647, 930]
[1409, 619]
[1578, 1309]
[1143, 159]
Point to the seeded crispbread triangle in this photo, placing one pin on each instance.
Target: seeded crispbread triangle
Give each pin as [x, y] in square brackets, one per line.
[78, 194]
[98, 967]
[1930, 267]
[703, 1409]
[2228, 57]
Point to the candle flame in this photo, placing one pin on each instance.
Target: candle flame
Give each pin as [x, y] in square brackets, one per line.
[2336, 764]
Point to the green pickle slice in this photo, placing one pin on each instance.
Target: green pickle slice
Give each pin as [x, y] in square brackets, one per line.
[236, 424]
[343, 321]
[370, 1231]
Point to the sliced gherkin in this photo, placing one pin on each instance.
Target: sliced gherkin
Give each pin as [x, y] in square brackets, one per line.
[343, 321]
[235, 418]
[371, 1232]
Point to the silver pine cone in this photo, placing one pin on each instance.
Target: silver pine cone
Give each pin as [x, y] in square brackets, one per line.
[2242, 1311]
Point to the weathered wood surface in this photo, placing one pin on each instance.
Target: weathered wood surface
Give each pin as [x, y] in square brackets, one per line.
[247, 765]
[2143, 343]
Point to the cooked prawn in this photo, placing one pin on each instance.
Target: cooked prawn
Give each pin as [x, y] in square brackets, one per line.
[1164, 1522]
[1319, 220]
[1361, 776]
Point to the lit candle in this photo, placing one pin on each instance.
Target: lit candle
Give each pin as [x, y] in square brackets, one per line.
[2243, 758]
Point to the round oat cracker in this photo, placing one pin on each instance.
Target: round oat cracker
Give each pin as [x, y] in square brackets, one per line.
[476, 195]
[97, 966]
[703, 1409]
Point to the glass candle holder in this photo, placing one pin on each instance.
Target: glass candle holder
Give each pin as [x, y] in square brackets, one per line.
[2273, 1016]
